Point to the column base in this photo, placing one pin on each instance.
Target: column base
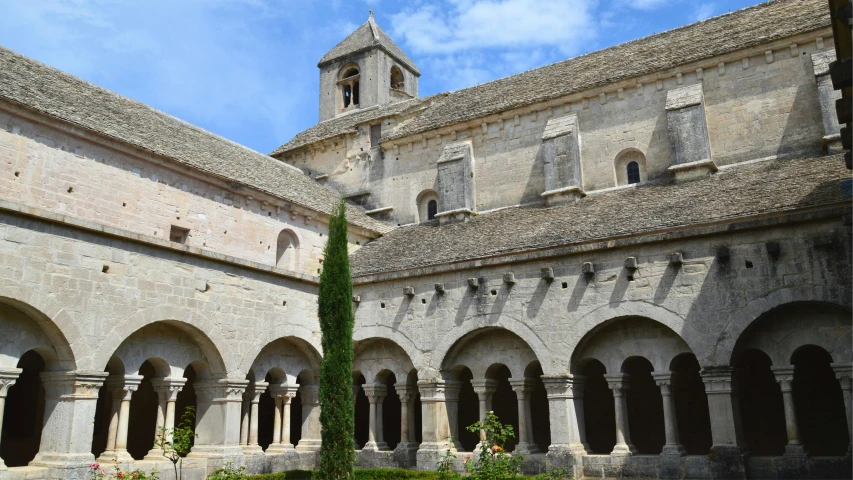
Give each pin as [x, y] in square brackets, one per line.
[250, 450]
[623, 450]
[217, 451]
[727, 461]
[154, 455]
[280, 448]
[566, 458]
[308, 445]
[676, 449]
[405, 454]
[110, 456]
[375, 447]
[525, 448]
[795, 450]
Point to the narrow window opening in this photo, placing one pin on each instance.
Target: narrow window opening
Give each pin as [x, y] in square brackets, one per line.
[355, 93]
[397, 79]
[423, 301]
[375, 134]
[565, 285]
[494, 292]
[432, 209]
[630, 278]
[178, 234]
[633, 169]
[284, 303]
[347, 95]
[382, 305]
[106, 269]
[748, 264]
[123, 204]
[70, 189]
[17, 174]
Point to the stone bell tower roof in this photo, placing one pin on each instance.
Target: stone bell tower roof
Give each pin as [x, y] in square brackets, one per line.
[365, 37]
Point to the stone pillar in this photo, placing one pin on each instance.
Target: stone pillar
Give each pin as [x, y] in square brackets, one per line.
[8, 377]
[568, 432]
[844, 374]
[281, 425]
[726, 453]
[785, 376]
[121, 387]
[244, 421]
[436, 430]
[255, 392]
[406, 450]
[523, 388]
[673, 445]
[484, 390]
[167, 394]
[218, 419]
[451, 400]
[620, 383]
[310, 441]
[375, 395]
[70, 399]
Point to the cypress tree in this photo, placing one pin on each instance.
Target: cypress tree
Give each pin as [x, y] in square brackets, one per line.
[337, 414]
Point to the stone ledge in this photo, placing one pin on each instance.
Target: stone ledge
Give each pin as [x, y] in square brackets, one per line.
[563, 195]
[693, 170]
[460, 214]
[78, 223]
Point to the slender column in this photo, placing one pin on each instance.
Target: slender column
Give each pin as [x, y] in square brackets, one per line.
[673, 445]
[8, 377]
[281, 424]
[121, 387]
[286, 399]
[355, 389]
[167, 393]
[375, 395]
[404, 413]
[523, 388]
[484, 390]
[254, 401]
[785, 376]
[727, 459]
[276, 424]
[619, 384]
[451, 401]
[310, 395]
[407, 447]
[844, 374]
[244, 421]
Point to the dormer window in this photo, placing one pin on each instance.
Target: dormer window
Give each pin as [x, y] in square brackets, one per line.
[348, 85]
[630, 167]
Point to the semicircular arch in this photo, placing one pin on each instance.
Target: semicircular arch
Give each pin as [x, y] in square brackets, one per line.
[376, 355]
[285, 359]
[483, 349]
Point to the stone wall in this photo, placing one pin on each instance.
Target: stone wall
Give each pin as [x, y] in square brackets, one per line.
[759, 103]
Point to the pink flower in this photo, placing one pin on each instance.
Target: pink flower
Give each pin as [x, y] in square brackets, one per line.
[120, 475]
[133, 475]
[94, 466]
[467, 456]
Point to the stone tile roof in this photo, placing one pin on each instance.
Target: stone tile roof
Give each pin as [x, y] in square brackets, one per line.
[716, 36]
[364, 37]
[56, 94]
[766, 187]
[348, 122]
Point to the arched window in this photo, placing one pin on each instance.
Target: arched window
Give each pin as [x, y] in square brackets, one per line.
[630, 167]
[286, 250]
[397, 79]
[633, 170]
[348, 84]
[427, 205]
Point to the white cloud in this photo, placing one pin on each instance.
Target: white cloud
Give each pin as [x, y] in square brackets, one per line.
[460, 25]
[704, 11]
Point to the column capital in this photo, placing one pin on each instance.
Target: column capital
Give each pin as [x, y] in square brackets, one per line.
[223, 390]
[375, 393]
[80, 384]
[564, 386]
[405, 391]
[310, 394]
[256, 390]
[784, 376]
[522, 386]
[844, 374]
[718, 379]
[123, 386]
[167, 388]
[618, 382]
[451, 390]
[664, 378]
[484, 387]
[8, 377]
[431, 391]
[283, 392]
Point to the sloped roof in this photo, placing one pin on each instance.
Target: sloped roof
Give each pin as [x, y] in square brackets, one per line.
[367, 36]
[349, 122]
[715, 36]
[766, 187]
[56, 94]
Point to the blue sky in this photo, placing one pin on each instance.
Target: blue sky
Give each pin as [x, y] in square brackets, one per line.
[247, 69]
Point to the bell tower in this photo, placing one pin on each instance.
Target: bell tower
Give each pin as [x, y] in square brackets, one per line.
[367, 69]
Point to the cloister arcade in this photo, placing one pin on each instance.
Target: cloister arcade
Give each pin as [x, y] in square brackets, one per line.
[635, 388]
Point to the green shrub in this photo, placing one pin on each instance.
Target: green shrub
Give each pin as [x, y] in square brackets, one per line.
[334, 310]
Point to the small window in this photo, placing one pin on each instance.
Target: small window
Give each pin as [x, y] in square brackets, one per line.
[375, 134]
[633, 170]
[178, 234]
[286, 250]
[397, 80]
[432, 209]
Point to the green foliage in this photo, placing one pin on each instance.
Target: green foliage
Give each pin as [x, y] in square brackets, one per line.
[445, 464]
[290, 475]
[175, 443]
[360, 474]
[492, 462]
[228, 472]
[337, 416]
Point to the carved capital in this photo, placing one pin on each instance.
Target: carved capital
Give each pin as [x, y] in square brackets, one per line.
[406, 392]
[484, 387]
[431, 391]
[123, 386]
[225, 390]
[718, 380]
[564, 386]
[619, 383]
[664, 380]
[785, 376]
[522, 387]
[8, 377]
[167, 388]
[375, 393]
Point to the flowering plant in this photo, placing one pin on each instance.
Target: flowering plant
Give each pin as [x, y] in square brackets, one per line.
[98, 473]
[493, 463]
[177, 442]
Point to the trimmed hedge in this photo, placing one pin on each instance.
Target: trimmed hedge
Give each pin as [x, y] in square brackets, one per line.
[370, 474]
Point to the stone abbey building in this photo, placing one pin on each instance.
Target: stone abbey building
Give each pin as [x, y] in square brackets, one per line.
[639, 257]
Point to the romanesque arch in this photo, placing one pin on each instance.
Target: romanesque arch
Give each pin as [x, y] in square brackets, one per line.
[494, 369]
[627, 365]
[792, 367]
